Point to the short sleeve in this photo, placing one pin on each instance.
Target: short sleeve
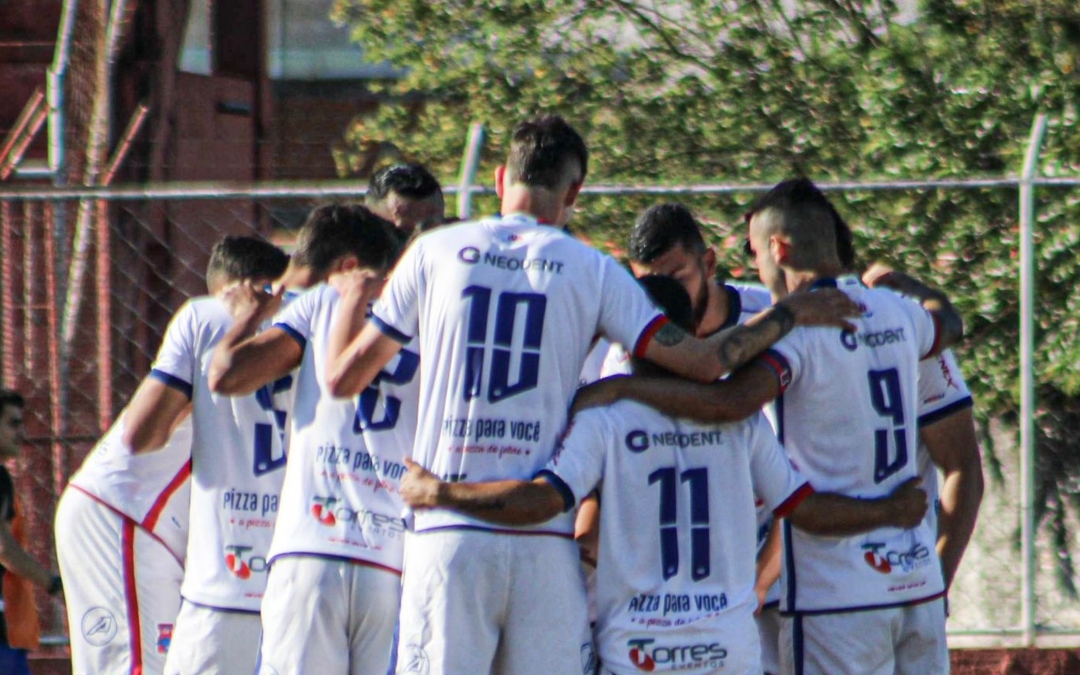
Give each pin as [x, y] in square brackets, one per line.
[397, 311]
[297, 318]
[942, 389]
[578, 464]
[784, 359]
[627, 313]
[176, 364]
[776, 482]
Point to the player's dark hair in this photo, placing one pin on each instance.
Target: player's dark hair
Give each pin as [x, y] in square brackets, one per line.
[659, 228]
[845, 242]
[544, 151]
[334, 230]
[671, 297]
[808, 218]
[10, 397]
[408, 180]
[236, 257]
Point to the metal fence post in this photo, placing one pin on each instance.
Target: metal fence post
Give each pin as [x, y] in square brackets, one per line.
[1027, 381]
[470, 162]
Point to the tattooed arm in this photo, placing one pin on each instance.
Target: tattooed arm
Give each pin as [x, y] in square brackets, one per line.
[708, 360]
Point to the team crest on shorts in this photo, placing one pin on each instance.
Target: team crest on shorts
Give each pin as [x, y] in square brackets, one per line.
[415, 660]
[164, 637]
[98, 626]
[588, 659]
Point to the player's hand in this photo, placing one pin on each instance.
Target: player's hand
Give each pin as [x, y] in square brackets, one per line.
[823, 307]
[909, 503]
[598, 394]
[247, 301]
[419, 487]
[877, 275]
[358, 285]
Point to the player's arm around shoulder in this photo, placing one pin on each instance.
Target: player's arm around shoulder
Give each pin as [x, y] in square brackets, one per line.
[721, 354]
[949, 325]
[357, 349]
[736, 398]
[245, 359]
[506, 502]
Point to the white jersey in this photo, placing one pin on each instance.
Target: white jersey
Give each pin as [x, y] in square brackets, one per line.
[676, 527]
[506, 309]
[594, 362]
[346, 456]
[847, 416]
[152, 489]
[942, 392]
[237, 454]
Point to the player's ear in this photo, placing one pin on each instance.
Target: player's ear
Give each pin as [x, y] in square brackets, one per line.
[572, 193]
[709, 260]
[780, 248]
[500, 177]
[347, 263]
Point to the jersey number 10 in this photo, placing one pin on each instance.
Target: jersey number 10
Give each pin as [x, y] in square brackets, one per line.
[499, 386]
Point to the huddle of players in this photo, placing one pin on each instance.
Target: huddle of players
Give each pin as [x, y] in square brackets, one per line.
[434, 397]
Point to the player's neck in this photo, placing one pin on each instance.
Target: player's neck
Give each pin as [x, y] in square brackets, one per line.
[540, 204]
[717, 308]
[802, 280]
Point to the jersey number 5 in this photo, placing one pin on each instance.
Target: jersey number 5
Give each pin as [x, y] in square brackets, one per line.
[265, 462]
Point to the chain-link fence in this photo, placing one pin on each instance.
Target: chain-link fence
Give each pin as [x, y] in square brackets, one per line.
[84, 303]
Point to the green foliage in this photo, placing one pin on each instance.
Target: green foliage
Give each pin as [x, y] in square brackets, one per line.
[759, 90]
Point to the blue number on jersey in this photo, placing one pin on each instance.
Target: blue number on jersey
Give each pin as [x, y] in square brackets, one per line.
[887, 399]
[700, 565]
[506, 313]
[265, 462]
[407, 365]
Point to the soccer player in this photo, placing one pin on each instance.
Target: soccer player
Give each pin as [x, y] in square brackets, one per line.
[408, 196]
[847, 417]
[674, 583]
[332, 596]
[121, 538]
[496, 304]
[947, 443]
[19, 627]
[237, 455]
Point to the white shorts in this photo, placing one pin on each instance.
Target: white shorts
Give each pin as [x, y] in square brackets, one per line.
[906, 640]
[208, 641]
[768, 625]
[121, 588]
[480, 602]
[328, 616]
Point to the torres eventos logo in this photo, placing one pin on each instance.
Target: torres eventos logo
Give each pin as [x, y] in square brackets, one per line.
[646, 656]
[884, 561]
[323, 510]
[242, 565]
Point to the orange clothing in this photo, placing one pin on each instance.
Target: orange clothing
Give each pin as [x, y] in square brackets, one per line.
[20, 610]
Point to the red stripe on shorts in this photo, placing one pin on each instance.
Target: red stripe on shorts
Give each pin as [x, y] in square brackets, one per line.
[150, 521]
[127, 543]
